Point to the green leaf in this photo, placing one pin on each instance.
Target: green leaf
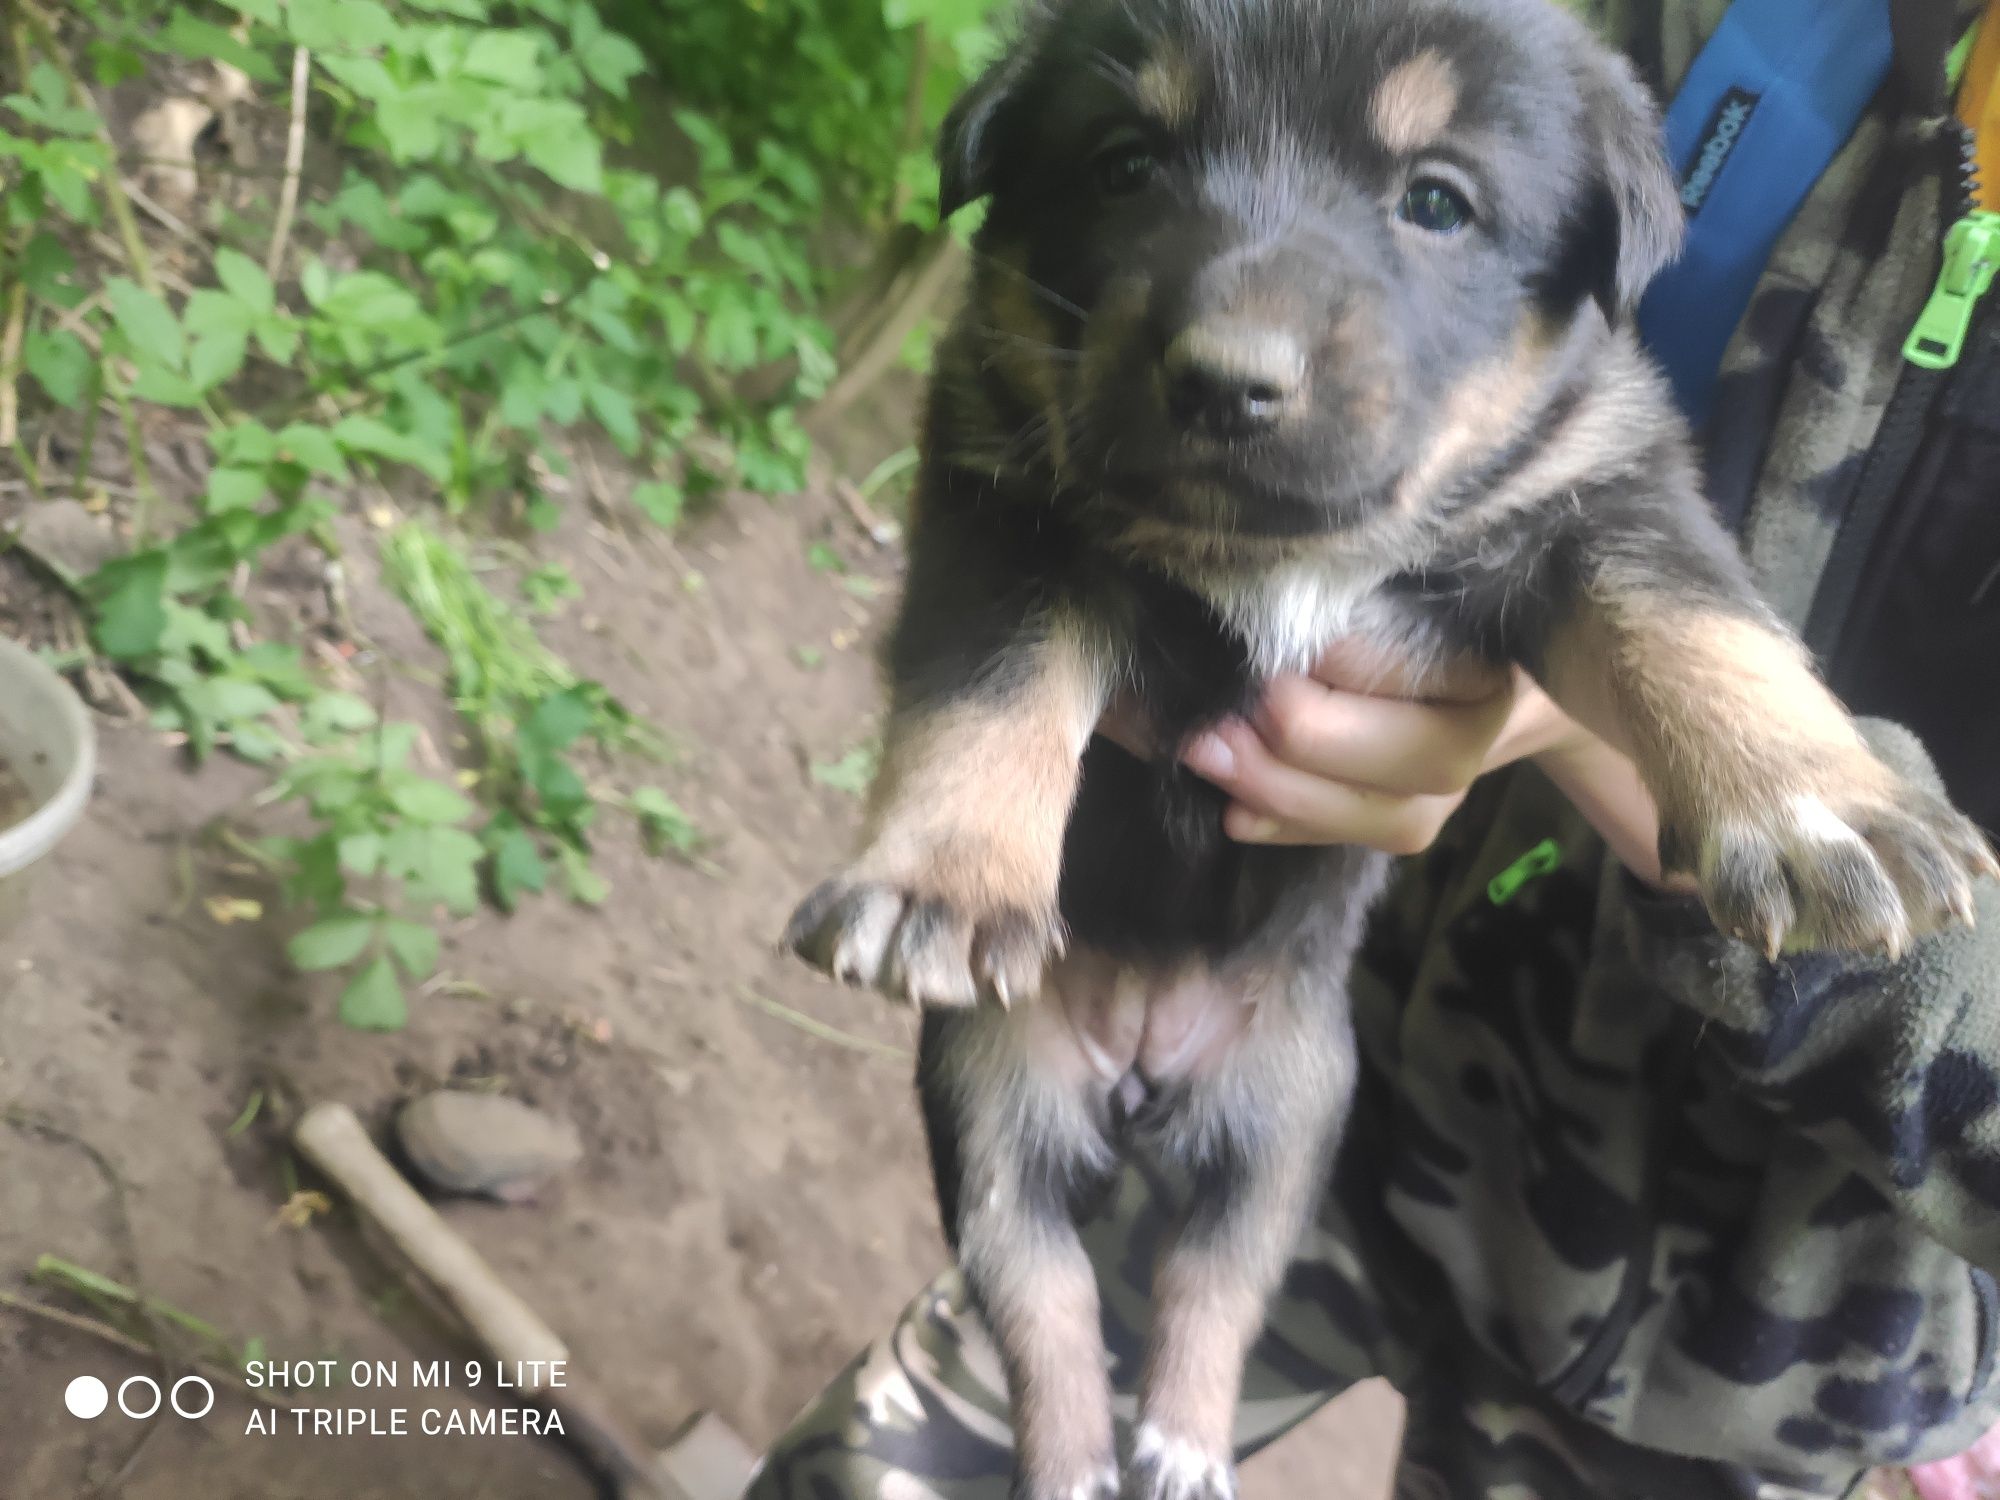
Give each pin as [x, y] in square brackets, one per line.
[228, 699]
[210, 311]
[67, 172]
[280, 337]
[133, 617]
[415, 947]
[245, 281]
[614, 409]
[731, 336]
[567, 150]
[374, 1001]
[510, 57]
[427, 801]
[279, 667]
[167, 387]
[851, 773]
[49, 270]
[257, 743]
[333, 942]
[61, 363]
[189, 36]
[563, 401]
[370, 299]
[217, 357]
[153, 332]
[314, 448]
[663, 824]
[361, 853]
[410, 124]
[559, 720]
[234, 489]
[339, 26]
[365, 434]
[682, 212]
[660, 500]
[517, 865]
[563, 795]
[245, 443]
[610, 60]
[438, 864]
[192, 631]
[586, 886]
[333, 714]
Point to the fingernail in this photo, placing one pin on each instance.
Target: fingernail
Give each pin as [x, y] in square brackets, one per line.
[1257, 831]
[1211, 756]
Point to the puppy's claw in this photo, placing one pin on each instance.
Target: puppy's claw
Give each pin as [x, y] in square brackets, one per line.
[1870, 875]
[918, 949]
[1165, 1467]
[1962, 907]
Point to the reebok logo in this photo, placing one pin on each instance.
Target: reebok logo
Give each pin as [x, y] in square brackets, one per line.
[1717, 144]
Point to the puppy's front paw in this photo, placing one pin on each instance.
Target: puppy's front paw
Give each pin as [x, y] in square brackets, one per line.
[914, 945]
[1101, 1484]
[1166, 1467]
[1865, 864]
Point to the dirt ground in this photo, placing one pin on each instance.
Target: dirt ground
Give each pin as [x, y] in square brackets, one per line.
[752, 1205]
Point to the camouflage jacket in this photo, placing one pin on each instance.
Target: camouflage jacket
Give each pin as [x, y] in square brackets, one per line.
[1716, 1205]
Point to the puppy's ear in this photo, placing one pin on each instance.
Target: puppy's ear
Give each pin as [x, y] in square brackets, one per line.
[1631, 222]
[974, 140]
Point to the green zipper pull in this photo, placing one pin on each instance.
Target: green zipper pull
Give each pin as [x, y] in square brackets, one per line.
[1971, 256]
[1541, 860]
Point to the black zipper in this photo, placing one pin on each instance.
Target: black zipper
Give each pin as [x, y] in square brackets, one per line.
[1904, 425]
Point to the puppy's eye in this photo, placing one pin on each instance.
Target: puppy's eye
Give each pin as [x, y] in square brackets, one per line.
[1435, 206]
[1123, 165]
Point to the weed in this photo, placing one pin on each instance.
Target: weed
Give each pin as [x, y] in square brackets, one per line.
[472, 279]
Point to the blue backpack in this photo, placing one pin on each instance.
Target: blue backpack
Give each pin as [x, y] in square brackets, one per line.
[1906, 620]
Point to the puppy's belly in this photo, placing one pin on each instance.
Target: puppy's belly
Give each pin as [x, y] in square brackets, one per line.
[1101, 1019]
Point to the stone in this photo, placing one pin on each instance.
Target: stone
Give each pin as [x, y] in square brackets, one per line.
[485, 1144]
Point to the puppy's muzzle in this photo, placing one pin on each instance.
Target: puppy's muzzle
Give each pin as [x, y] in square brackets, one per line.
[1230, 380]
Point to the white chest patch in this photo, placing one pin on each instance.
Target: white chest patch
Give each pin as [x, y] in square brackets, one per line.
[1290, 615]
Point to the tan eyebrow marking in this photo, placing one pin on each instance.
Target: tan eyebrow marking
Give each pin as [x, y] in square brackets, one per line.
[1415, 102]
[1165, 89]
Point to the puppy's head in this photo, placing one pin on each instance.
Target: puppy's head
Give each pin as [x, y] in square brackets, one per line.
[1276, 266]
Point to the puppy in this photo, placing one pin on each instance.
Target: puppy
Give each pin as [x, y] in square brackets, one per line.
[1292, 319]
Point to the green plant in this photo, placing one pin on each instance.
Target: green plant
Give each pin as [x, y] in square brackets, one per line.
[485, 268]
[481, 286]
[852, 90]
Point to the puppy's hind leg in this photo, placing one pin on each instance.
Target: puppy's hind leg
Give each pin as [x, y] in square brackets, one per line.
[1018, 1149]
[1259, 1153]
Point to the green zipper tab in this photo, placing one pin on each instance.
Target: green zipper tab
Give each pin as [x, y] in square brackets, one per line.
[1971, 256]
[1541, 860]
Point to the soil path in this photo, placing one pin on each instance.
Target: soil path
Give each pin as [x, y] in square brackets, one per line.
[752, 1205]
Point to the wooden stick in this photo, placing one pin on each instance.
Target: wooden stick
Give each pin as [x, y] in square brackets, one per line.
[10, 362]
[330, 1137]
[333, 1140]
[295, 156]
[877, 351]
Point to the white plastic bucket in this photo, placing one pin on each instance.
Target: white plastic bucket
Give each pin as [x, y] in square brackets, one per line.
[47, 746]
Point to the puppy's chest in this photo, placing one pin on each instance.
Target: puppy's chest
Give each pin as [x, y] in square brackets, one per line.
[1287, 616]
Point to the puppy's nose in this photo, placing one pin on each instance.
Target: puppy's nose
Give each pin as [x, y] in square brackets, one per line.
[1233, 380]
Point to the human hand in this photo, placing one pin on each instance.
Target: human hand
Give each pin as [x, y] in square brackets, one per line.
[1360, 753]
